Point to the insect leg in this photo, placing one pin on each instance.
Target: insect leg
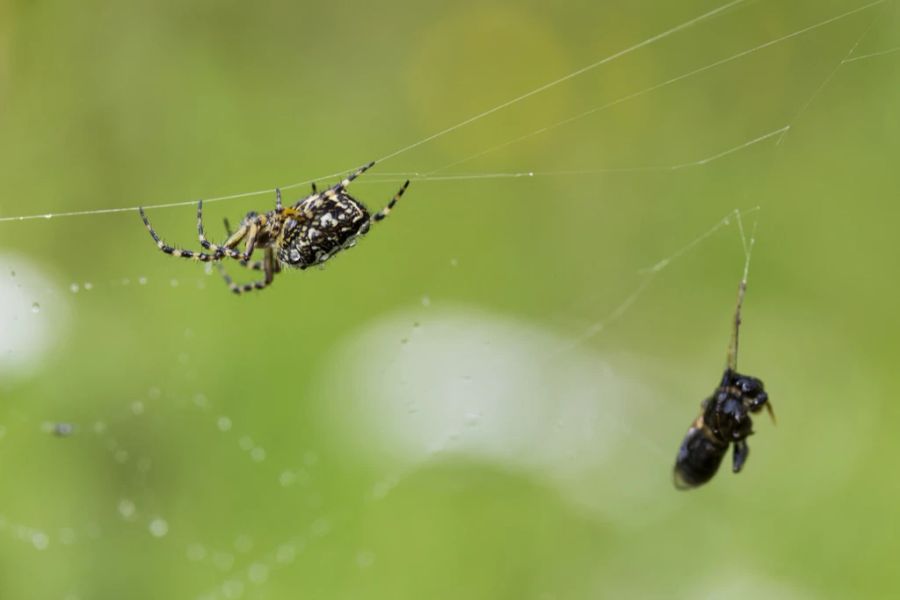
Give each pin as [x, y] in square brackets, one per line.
[739, 457]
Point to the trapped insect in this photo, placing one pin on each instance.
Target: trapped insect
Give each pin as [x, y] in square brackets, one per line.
[307, 233]
[724, 419]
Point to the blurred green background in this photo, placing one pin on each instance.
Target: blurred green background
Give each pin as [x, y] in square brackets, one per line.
[415, 421]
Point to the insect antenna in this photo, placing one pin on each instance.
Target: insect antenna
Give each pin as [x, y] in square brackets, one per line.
[771, 413]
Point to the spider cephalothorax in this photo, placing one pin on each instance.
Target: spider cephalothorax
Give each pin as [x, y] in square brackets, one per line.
[306, 233]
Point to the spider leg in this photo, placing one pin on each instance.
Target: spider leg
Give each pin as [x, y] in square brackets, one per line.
[188, 254]
[256, 266]
[251, 240]
[270, 268]
[381, 214]
[314, 189]
[278, 199]
[227, 249]
[353, 176]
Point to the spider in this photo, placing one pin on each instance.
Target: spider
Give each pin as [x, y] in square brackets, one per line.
[304, 234]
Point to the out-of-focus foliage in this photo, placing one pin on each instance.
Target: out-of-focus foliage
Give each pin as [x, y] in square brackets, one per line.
[255, 446]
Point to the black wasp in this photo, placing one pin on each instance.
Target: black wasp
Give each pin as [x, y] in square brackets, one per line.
[725, 419]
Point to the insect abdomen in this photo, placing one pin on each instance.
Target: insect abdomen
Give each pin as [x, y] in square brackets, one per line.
[698, 458]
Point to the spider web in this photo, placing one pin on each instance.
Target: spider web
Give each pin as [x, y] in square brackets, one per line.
[233, 494]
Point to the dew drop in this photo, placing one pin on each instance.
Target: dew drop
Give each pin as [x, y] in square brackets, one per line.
[223, 561]
[40, 540]
[258, 573]
[35, 307]
[74, 288]
[88, 285]
[258, 454]
[365, 559]
[196, 552]
[173, 283]
[142, 280]
[285, 554]
[224, 424]
[243, 543]
[137, 407]
[67, 536]
[93, 530]
[426, 301]
[158, 527]
[127, 509]
[63, 429]
[232, 589]
[286, 478]
[320, 527]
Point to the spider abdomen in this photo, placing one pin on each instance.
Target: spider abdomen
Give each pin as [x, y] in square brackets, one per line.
[324, 225]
